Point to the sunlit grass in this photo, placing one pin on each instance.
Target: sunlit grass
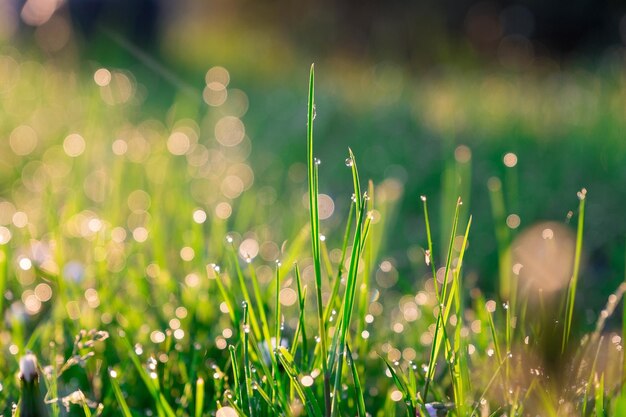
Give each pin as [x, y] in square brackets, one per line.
[207, 302]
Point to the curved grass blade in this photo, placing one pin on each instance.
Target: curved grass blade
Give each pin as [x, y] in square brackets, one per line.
[403, 385]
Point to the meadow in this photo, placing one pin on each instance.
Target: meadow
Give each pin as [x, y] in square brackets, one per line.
[223, 257]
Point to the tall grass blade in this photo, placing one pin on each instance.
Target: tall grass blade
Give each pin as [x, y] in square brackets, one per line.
[502, 236]
[571, 293]
[247, 369]
[360, 236]
[315, 236]
[441, 324]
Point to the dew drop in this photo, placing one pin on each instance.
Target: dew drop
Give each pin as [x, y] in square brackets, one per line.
[349, 162]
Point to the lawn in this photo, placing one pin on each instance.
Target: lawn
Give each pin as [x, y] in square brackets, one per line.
[174, 261]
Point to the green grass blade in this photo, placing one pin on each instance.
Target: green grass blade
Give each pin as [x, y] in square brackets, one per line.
[236, 377]
[265, 330]
[305, 393]
[199, 397]
[355, 179]
[502, 236]
[152, 384]
[246, 358]
[315, 236]
[403, 385]
[360, 235]
[301, 320]
[440, 324]
[429, 256]
[358, 389]
[256, 329]
[344, 249]
[277, 318]
[571, 293]
[119, 396]
[214, 271]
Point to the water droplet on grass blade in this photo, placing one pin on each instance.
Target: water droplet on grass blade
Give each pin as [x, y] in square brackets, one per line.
[349, 162]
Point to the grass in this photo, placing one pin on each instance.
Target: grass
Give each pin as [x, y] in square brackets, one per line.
[153, 234]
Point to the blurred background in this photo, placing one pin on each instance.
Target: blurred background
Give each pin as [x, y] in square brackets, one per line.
[514, 105]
